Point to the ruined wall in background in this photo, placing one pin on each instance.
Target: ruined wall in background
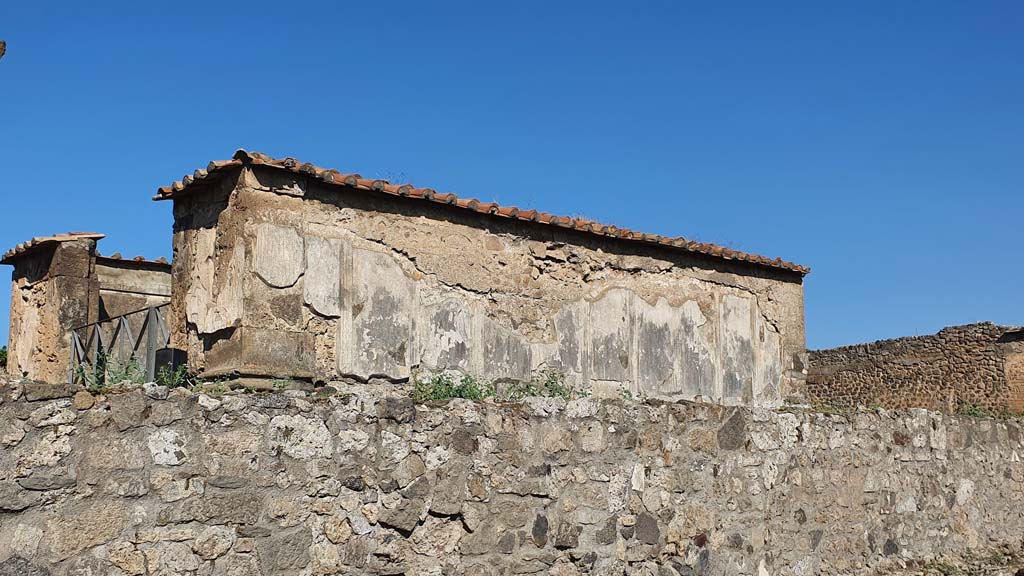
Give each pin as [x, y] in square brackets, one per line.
[131, 285]
[287, 484]
[961, 367]
[283, 280]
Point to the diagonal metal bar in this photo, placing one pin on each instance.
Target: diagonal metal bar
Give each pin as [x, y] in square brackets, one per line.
[142, 331]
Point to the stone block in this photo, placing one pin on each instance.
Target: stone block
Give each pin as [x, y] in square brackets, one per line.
[261, 352]
[737, 348]
[73, 259]
[35, 391]
[278, 254]
[322, 283]
[506, 354]
[448, 336]
[379, 339]
[612, 324]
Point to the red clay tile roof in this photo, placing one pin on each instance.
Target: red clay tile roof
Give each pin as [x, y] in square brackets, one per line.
[331, 176]
[116, 256]
[40, 241]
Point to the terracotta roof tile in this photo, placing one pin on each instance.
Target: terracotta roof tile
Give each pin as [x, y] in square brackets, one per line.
[40, 241]
[116, 256]
[242, 157]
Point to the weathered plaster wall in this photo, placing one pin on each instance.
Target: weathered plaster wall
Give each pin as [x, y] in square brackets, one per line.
[978, 365]
[128, 286]
[282, 484]
[283, 278]
[53, 289]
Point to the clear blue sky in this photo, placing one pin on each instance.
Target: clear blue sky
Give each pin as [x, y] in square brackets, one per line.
[879, 143]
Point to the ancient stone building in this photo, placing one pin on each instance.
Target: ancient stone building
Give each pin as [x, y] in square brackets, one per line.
[284, 269]
[61, 283]
[978, 366]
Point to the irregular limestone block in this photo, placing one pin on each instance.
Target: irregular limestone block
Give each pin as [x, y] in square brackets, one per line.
[226, 309]
[378, 337]
[255, 351]
[279, 257]
[697, 353]
[768, 375]
[322, 284]
[448, 336]
[737, 347]
[506, 354]
[658, 338]
[570, 333]
[611, 320]
[201, 275]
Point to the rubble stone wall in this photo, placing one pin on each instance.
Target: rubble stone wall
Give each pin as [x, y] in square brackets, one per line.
[275, 276]
[355, 483]
[961, 367]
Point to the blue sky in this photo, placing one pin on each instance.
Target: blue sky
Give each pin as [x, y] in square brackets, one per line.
[879, 143]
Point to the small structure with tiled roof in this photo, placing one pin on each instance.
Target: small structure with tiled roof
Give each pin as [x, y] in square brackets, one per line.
[286, 269]
[43, 242]
[61, 283]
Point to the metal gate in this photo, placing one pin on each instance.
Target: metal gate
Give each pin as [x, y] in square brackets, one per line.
[119, 346]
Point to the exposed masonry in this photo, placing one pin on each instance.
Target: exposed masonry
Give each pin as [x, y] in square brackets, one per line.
[159, 482]
[978, 366]
[277, 275]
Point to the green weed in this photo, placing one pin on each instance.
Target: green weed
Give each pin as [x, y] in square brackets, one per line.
[107, 372]
[944, 568]
[280, 384]
[444, 386]
[548, 383]
[973, 410]
[212, 388]
[177, 378]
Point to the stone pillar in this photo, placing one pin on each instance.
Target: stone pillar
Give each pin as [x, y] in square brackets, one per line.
[53, 290]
